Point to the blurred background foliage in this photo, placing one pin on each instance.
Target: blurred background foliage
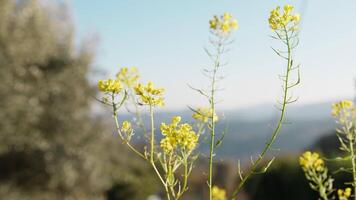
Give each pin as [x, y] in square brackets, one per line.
[52, 147]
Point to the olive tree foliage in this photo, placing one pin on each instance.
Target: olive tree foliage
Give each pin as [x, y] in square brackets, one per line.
[51, 145]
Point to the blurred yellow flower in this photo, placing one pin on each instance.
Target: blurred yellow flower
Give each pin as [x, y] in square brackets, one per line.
[168, 144]
[177, 135]
[342, 107]
[204, 114]
[284, 20]
[128, 76]
[126, 126]
[311, 161]
[150, 95]
[218, 193]
[344, 194]
[110, 85]
[223, 24]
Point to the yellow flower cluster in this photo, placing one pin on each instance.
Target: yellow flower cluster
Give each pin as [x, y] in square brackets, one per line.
[218, 193]
[223, 24]
[150, 95]
[128, 76]
[204, 114]
[311, 161]
[343, 108]
[284, 20]
[344, 194]
[177, 135]
[110, 85]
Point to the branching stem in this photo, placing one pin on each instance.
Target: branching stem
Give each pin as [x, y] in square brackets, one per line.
[276, 131]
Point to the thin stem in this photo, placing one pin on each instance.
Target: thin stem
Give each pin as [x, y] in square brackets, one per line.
[138, 114]
[135, 150]
[118, 129]
[152, 135]
[185, 181]
[276, 131]
[152, 154]
[353, 162]
[322, 189]
[212, 123]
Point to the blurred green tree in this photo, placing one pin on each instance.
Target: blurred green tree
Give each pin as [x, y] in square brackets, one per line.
[52, 146]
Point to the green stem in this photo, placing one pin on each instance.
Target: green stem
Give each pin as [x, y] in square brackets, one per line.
[185, 182]
[276, 131]
[114, 105]
[138, 114]
[212, 123]
[353, 162]
[152, 135]
[322, 189]
[152, 154]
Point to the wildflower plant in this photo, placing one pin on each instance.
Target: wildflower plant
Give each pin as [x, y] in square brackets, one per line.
[285, 28]
[177, 145]
[172, 160]
[317, 174]
[221, 29]
[344, 113]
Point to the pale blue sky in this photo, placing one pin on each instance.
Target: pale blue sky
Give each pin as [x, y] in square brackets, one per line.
[165, 40]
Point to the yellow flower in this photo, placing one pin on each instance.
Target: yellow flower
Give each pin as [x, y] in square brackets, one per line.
[227, 16]
[218, 193]
[224, 24]
[168, 145]
[283, 20]
[204, 114]
[177, 135]
[342, 107]
[110, 85]
[128, 76]
[176, 120]
[234, 24]
[344, 194]
[150, 95]
[126, 131]
[126, 126]
[213, 22]
[311, 161]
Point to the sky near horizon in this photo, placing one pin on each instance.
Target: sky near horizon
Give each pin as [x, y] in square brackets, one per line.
[165, 40]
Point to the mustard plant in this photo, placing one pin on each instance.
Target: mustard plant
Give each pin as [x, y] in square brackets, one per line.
[221, 28]
[285, 28]
[344, 113]
[284, 25]
[175, 151]
[317, 174]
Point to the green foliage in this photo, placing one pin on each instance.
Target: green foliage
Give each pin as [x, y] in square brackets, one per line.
[51, 146]
[284, 180]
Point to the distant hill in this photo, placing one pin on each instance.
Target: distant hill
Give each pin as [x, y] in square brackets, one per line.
[249, 128]
[266, 111]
